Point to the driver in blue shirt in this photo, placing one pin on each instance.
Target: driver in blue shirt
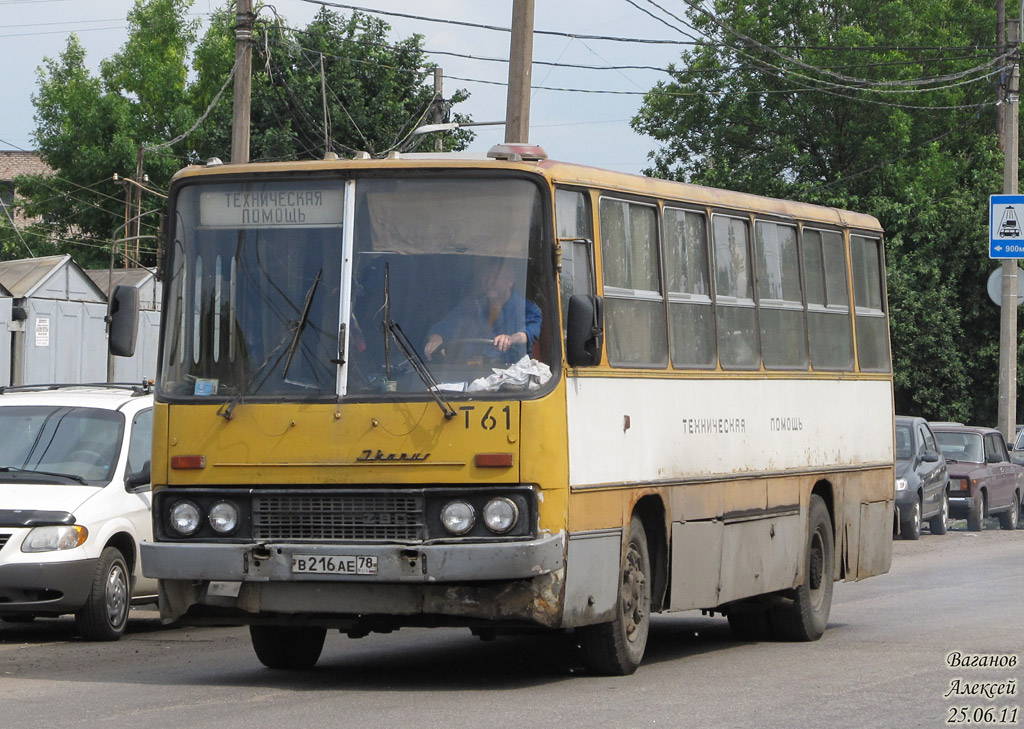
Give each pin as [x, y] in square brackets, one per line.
[497, 313]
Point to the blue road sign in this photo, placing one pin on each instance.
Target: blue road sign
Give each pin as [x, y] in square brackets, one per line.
[1006, 226]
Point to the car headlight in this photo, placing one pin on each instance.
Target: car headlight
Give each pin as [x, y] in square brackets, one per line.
[901, 484]
[223, 517]
[54, 538]
[458, 517]
[501, 514]
[185, 518]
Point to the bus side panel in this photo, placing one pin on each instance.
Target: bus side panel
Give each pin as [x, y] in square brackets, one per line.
[592, 577]
[761, 556]
[696, 564]
[642, 430]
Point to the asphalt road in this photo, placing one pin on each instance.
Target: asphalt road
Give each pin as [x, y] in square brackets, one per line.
[882, 663]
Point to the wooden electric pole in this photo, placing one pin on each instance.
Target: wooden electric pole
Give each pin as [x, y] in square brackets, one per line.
[1008, 310]
[438, 114]
[520, 69]
[243, 82]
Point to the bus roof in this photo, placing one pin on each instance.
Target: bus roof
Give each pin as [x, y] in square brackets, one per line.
[563, 173]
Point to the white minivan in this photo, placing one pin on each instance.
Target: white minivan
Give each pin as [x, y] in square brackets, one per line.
[75, 503]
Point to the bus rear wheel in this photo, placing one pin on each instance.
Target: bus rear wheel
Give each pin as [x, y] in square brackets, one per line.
[287, 647]
[617, 648]
[806, 616]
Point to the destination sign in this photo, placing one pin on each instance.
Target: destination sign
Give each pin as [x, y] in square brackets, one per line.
[271, 207]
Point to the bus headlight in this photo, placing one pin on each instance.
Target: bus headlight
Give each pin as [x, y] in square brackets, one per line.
[458, 517]
[501, 514]
[185, 518]
[224, 517]
[54, 538]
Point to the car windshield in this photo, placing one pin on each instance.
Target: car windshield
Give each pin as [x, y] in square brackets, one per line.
[76, 442]
[311, 290]
[961, 446]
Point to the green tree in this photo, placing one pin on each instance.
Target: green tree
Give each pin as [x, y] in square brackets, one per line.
[783, 100]
[90, 128]
[339, 74]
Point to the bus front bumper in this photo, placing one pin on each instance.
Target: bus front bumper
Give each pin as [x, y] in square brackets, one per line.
[503, 581]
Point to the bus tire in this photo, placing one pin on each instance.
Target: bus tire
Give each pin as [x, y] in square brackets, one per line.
[287, 647]
[617, 648]
[805, 618]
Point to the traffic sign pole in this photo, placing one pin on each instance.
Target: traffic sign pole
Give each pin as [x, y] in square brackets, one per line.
[1007, 419]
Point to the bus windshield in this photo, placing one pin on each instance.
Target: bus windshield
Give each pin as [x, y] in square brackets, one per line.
[327, 288]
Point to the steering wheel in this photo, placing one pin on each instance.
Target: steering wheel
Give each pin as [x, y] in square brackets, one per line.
[84, 455]
[453, 350]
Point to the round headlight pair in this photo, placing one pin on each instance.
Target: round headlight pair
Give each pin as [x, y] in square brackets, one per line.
[500, 515]
[186, 517]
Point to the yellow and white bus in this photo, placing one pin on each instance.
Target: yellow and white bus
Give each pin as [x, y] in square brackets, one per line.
[510, 393]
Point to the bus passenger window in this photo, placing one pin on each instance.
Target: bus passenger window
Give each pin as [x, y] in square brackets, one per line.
[634, 307]
[829, 330]
[734, 295]
[872, 329]
[688, 283]
[780, 300]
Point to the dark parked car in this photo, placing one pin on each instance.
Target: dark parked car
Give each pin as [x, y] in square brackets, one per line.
[922, 483]
[983, 480]
[1017, 451]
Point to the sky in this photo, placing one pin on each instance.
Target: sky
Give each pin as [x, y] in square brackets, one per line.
[590, 128]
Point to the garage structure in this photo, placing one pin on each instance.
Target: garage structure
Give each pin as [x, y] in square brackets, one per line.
[56, 331]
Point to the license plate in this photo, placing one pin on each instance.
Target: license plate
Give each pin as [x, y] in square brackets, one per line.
[346, 564]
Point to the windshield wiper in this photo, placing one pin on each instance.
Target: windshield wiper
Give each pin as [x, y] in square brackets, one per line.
[419, 366]
[69, 476]
[225, 410]
[301, 325]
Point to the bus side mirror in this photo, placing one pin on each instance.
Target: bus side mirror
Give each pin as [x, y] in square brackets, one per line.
[584, 330]
[124, 320]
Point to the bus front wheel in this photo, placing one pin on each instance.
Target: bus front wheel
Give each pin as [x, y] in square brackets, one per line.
[806, 616]
[287, 647]
[617, 648]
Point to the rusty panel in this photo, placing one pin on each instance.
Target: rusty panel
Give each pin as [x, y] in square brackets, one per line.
[590, 510]
[713, 500]
[784, 491]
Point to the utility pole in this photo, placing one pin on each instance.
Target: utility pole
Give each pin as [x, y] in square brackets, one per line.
[520, 69]
[438, 114]
[1008, 311]
[243, 82]
[135, 229]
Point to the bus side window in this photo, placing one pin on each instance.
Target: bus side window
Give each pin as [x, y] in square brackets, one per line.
[688, 286]
[872, 329]
[829, 330]
[780, 299]
[576, 238]
[634, 308]
[734, 294]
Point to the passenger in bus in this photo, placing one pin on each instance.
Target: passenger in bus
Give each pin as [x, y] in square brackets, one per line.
[495, 312]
